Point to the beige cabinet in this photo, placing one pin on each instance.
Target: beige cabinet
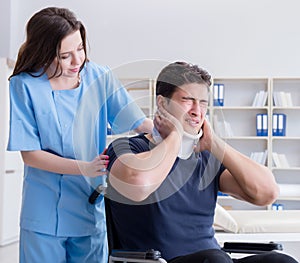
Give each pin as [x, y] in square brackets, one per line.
[244, 99]
[286, 100]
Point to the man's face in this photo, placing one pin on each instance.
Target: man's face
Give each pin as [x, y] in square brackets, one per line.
[189, 104]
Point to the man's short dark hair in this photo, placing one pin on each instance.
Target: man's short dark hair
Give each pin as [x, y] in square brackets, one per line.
[177, 74]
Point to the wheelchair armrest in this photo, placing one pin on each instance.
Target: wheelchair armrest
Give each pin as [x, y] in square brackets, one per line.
[131, 260]
[250, 248]
[148, 254]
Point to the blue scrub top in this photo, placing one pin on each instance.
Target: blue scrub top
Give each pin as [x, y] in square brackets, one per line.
[71, 124]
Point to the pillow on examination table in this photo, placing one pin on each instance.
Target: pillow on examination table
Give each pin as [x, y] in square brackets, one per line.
[224, 221]
[267, 221]
[257, 221]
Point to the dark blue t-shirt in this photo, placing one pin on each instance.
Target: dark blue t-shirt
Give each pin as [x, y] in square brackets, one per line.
[177, 218]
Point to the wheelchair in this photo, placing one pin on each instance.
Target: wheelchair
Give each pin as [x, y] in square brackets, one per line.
[117, 254]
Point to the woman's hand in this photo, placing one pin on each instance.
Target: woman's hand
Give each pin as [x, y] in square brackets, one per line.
[97, 167]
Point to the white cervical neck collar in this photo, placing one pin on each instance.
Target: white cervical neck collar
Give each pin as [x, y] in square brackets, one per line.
[189, 141]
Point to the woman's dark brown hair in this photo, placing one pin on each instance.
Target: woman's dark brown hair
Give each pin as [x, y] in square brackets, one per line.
[44, 32]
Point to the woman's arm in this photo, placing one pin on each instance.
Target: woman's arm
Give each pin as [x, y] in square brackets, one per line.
[56, 164]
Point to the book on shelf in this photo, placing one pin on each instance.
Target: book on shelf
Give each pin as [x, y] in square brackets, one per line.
[289, 190]
[260, 99]
[261, 124]
[280, 160]
[282, 99]
[218, 93]
[279, 124]
[222, 128]
[259, 157]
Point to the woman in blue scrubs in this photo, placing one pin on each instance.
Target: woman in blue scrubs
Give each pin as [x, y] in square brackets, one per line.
[60, 105]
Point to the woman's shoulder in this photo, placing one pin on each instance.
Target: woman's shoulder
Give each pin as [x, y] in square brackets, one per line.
[99, 73]
[26, 79]
[23, 76]
[91, 66]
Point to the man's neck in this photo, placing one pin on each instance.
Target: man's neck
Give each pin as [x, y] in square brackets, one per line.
[150, 138]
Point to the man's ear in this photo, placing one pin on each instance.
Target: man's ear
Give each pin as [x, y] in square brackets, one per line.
[160, 101]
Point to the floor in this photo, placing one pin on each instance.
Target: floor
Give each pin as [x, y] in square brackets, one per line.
[10, 254]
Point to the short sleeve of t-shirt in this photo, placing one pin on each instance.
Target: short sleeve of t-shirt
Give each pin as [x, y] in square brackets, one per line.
[125, 145]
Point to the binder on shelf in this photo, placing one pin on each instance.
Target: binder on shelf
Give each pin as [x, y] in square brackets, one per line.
[215, 93]
[109, 130]
[264, 124]
[274, 124]
[261, 124]
[218, 91]
[222, 194]
[276, 206]
[279, 124]
[221, 95]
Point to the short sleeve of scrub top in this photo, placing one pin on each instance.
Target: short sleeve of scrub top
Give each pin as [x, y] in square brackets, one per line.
[71, 124]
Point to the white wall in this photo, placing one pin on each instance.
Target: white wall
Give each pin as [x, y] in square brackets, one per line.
[5, 28]
[229, 38]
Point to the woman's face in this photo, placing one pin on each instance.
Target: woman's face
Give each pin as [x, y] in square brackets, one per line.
[71, 55]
